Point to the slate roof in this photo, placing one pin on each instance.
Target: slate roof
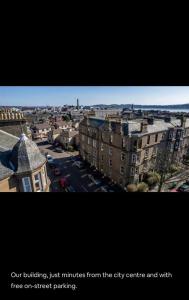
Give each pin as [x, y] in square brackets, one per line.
[7, 140]
[26, 156]
[5, 169]
[41, 126]
[134, 126]
[96, 122]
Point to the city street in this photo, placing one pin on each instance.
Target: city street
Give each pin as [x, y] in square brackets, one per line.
[77, 177]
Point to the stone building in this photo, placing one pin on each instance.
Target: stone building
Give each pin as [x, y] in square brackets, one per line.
[40, 131]
[69, 137]
[126, 150]
[53, 134]
[13, 122]
[22, 166]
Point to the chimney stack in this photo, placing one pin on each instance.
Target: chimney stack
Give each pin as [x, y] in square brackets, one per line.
[144, 126]
[150, 121]
[183, 121]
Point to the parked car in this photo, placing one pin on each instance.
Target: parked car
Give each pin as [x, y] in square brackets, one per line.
[51, 161]
[57, 172]
[174, 191]
[56, 144]
[64, 182]
[70, 189]
[172, 185]
[49, 158]
[59, 150]
[183, 188]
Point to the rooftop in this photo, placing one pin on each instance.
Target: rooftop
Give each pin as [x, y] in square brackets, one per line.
[5, 169]
[7, 140]
[26, 156]
[134, 126]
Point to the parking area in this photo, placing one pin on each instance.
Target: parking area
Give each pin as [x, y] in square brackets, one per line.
[81, 177]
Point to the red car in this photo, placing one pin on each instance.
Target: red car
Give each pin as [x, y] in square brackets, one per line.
[64, 182]
[57, 172]
[174, 191]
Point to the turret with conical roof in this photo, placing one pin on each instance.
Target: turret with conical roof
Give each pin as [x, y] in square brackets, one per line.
[26, 156]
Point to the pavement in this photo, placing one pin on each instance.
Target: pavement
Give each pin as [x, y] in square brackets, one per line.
[78, 178]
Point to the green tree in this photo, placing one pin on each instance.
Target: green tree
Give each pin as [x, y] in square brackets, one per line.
[131, 188]
[142, 187]
[66, 118]
[152, 178]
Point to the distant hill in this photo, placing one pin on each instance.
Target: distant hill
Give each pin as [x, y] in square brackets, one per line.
[116, 106]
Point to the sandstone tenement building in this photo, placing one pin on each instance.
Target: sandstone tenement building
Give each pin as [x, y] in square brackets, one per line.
[125, 150]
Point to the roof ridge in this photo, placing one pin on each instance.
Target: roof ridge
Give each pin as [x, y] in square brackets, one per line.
[27, 157]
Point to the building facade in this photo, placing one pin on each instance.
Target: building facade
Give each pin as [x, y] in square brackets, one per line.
[69, 137]
[40, 131]
[126, 151]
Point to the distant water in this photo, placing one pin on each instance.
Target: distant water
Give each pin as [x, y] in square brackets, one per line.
[169, 109]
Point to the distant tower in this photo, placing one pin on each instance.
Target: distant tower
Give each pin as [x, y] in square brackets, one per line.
[132, 107]
[77, 104]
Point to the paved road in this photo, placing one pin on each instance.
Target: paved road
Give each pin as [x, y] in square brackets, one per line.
[78, 178]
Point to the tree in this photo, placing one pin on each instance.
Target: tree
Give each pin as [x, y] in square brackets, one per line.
[131, 188]
[163, 165]
[142, 187]
[152, 178]
[173, 169]
[66, 118]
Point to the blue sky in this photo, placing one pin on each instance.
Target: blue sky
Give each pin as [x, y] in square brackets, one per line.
[92, 95]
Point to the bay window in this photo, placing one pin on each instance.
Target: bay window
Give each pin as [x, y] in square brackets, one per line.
[26, 183]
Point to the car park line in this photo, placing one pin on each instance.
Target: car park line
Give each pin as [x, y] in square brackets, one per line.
[84, 188]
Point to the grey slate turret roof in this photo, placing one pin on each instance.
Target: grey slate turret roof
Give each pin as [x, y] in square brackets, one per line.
[26, 156]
